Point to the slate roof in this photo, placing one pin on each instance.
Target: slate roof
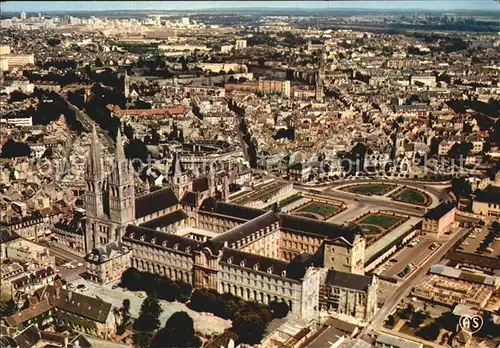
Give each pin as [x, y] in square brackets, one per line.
[166, 220]
[490, 194]
[76, 303]
[438, 212]
[29, 337]
[312, 226]
[74, 225]
[210, 205]
[474, 259]
[159, 239]
[242, 231]
[106, 252]
[29, 313]
[200, 184]
[7, 235]
[155, 201]
[348, 280]
[254, 262]
[189, 198]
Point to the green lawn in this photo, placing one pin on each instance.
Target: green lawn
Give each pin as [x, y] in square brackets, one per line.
[370, 189]
[308, 215]
[411, 196]
[382, 220]
[370, 229]
[323, 209]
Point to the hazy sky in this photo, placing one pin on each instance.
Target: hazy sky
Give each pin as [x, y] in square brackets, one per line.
[35, 6]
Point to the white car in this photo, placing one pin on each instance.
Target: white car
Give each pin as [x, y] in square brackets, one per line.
[80, 264]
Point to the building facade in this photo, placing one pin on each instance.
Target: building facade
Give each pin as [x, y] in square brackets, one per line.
[184, 233]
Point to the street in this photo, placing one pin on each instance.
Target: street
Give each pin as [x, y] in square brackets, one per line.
[413, 279]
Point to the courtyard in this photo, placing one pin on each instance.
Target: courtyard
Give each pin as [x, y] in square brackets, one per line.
[376, 223]
[317, 210]
[205, 323]
[411, 195]
[369, 189]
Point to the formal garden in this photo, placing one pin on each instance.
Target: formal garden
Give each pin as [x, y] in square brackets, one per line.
[376, 223]
[249, 319]
[412, 195]
[317, 210]
[369, 189]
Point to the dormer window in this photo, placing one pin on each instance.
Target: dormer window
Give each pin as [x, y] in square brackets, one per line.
[242, 263]
[256, 267]
[230, 260]
[131, 235]
[188, 249]
[164, 243]
[283, 273]
[270, 269]
[176, 246]
[153, 240]
[142, 238]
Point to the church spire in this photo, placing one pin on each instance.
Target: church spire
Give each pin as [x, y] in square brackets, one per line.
[120, 152]
[95, 164]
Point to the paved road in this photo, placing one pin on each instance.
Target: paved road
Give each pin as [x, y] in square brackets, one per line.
[413, 279]
[376, 202]
[435, 188]
[409, 254]
[86, 122]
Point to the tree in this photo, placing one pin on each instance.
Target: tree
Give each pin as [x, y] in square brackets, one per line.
[417, 319]
[408, 312]
[391, 321]
[131, 279]
[178, 332]
[12, 149]
[8, 308]
[141, 339]
[149, 315]
[16, 96]
[98, 62]
[26, 304]
[448, 321]
[250, 326]
[53, 42]
[429, 332]
[461, 187]
[279, 309]
[136, 149]
[125, 310]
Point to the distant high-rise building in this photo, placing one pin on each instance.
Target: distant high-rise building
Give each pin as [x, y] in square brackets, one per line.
[185, 21]
[23, 16]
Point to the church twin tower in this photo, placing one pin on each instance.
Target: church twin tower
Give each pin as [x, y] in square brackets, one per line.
[109, 197]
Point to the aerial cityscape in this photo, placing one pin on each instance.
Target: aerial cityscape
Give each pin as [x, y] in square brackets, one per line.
[250, 174]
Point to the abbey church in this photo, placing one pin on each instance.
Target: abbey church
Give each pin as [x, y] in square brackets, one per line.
[190, 231]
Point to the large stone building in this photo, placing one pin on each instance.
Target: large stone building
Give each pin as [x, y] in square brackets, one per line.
[439, 220]
[349, 294]
[188, 231]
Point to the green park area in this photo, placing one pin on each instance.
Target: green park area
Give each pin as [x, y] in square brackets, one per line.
[411, 195]
[324, 210]
[377, 222]
[370, 189]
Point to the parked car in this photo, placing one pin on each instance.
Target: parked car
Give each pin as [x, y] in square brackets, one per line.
[80, 264]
